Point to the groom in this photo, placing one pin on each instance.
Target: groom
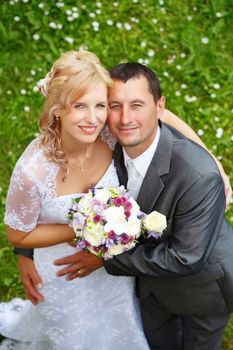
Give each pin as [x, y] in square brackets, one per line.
[186, 277]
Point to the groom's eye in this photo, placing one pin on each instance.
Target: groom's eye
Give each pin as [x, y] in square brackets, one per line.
[114, 106]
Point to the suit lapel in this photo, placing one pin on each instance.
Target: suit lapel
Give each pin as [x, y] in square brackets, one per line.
[120, 165]
[152, 184]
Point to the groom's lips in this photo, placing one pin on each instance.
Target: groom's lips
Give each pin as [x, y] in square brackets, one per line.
[127, 130]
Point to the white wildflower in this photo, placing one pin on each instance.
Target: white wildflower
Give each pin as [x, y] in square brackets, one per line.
[177, 93]
[60, 4]
[26, 109]
[69, 39]
[143, 44]
[23, 92]
[119, 25]
[218, 14]
[35, 88]
[204, 40]
[127, 26]
[219, 133]
[183, 55]
[189, 18]
[190, 99]
[17, 18]
[109, 22]
[53, 25]
[154, 20]
[213, 95]
[200, 132]
[216, 86]
[36, 37]
[41, 5]
[92, 14]
[183, 86]
[151, 53]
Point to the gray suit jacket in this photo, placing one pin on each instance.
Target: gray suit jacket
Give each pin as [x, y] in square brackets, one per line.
[190, 269]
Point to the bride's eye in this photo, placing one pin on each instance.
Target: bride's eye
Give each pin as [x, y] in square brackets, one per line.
[101, 105]
[79, 106]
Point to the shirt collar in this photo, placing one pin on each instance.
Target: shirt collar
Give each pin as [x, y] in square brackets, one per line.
[143, 161]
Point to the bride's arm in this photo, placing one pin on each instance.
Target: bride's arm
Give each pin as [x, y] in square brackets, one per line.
[43, 235]
[177, 123]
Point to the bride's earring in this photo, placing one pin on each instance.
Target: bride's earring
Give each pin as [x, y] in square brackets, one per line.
[57, 119]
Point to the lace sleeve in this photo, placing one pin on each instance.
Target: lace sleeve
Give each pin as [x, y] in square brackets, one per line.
[23, 199]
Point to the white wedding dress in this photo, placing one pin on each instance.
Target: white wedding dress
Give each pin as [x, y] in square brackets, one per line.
[99, 311]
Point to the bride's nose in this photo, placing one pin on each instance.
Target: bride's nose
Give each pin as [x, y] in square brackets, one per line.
[91, 116]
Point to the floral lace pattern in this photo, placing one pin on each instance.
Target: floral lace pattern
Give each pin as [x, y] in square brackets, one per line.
[99, 311]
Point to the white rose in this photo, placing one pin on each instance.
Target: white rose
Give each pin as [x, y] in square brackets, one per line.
[135, 207]
[133, 227]
[84, 203]
[94, 236]
[116, 221]
[116, 249]
[155, 221]
[102, 195]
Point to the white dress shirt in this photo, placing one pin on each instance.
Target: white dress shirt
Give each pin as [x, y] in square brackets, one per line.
[138, 167]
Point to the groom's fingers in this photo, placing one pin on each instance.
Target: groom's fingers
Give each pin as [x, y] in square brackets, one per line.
[68, 270]
[77, 274]
[67, 260]
[30, 279]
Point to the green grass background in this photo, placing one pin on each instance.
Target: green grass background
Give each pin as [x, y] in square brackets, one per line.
[188, 43]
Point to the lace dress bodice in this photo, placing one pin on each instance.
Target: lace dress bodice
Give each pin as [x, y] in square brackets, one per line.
[99, 311]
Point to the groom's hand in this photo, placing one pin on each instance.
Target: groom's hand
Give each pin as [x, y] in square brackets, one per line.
[30, 278]
[79, 264]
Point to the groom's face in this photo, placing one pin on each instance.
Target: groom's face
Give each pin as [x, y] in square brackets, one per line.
[133, 114]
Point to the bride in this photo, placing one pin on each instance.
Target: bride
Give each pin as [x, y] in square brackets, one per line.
[71, 154]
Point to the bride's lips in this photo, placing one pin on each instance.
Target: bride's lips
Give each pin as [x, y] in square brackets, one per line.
[88, 130]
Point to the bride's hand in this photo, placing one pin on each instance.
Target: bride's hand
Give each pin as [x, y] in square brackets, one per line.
[79, 264]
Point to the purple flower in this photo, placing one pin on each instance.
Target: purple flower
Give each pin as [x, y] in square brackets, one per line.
[81, 244]
[127, 213]
[97, 218]
[118, 201]
[153, 234]
[128, 205]
[125, 238]
[112, 235]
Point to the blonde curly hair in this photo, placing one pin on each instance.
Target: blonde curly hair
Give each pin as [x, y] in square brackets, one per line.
[70, 77]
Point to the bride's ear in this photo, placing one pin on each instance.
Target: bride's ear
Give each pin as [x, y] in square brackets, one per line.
[161, 106]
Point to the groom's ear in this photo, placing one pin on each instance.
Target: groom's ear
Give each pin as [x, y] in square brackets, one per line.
[161, 106]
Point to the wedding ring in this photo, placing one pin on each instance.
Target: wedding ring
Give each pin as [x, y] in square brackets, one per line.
[80, 271]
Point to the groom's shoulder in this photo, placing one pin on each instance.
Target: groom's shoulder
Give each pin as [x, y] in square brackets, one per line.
[189, 155]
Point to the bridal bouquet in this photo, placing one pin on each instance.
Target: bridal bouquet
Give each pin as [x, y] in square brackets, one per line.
[108, 221]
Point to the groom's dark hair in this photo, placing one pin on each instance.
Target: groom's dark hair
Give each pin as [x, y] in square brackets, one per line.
[126, 71]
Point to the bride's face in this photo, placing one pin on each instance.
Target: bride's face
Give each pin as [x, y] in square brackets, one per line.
[86, 117]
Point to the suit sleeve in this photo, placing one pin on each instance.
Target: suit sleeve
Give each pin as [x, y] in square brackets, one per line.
[24, 252]
[196, 226]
